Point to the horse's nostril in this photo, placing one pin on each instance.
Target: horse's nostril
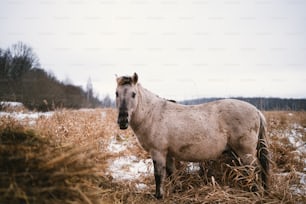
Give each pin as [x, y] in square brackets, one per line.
[123, 123]
[123, 118]
[123, 114]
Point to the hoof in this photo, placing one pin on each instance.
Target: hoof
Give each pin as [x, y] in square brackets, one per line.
[158, 196]
[254, 189]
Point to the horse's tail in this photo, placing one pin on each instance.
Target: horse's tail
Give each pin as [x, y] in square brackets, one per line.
[263, 152]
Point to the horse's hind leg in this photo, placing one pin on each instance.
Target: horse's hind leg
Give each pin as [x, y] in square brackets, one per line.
[170, 165]
[170, 168]
[245, 148]
[248, 157]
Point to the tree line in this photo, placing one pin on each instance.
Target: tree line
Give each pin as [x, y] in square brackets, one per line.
[261, 103]
[23, 80]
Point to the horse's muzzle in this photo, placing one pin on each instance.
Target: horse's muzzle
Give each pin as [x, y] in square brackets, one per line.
[123, 126]
[123, 120]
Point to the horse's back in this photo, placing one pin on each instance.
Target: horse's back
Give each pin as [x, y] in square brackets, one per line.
[229, 112]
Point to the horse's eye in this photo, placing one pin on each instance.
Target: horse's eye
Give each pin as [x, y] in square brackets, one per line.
[133, 95]
[117, 94]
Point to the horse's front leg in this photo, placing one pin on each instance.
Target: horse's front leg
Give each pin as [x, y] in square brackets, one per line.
[159, 161]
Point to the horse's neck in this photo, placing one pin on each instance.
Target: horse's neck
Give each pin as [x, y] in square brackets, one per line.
[147, 104]
[147, 98]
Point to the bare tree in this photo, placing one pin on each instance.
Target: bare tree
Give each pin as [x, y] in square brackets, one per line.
[89, 90]
[22, 59]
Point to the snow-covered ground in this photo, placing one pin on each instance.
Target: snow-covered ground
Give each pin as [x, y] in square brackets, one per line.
[11, 104]
[20, 113]
[28, 117]
[131, 168]
[295, 137]
[127, 167]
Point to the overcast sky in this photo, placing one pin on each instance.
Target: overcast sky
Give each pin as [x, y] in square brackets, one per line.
[181, 49]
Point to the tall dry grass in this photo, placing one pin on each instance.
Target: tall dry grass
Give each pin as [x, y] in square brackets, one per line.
[38, 168]
[64, 159]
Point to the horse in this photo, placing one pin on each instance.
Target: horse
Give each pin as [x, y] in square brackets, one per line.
[170, 131]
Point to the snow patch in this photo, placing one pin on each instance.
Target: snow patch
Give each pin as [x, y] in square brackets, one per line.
[300, 189]
[29, 117]
[295, 136]
[141, 186]
[130, 168]
[117, 144]
[193, 167]
[11, 104]
[297, 189]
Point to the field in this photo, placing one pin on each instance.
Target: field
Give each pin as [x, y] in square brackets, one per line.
[81, 156]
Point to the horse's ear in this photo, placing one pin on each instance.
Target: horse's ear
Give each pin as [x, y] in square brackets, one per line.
[135, 78]
[117, 78]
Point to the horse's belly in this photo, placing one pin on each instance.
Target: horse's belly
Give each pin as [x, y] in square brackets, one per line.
[197, 152]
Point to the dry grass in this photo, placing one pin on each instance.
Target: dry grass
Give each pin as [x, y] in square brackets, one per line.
[35, 169]
[64, 159]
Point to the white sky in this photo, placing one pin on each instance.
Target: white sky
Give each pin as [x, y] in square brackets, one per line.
[181, 49]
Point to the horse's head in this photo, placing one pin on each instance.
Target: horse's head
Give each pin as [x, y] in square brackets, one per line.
[126, 100]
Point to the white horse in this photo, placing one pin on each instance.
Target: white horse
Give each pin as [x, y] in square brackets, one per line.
[196, 133]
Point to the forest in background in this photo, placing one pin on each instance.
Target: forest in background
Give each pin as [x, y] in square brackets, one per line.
[261, 103]
[23, 80]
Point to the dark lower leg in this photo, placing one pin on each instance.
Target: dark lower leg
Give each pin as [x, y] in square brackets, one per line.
[159, 174]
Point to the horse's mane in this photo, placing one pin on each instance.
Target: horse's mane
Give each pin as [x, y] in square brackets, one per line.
[171, 100]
